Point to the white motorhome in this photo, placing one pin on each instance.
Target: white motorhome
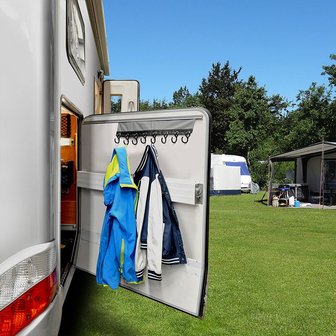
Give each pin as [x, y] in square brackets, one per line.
[234, 161]
[56, 139]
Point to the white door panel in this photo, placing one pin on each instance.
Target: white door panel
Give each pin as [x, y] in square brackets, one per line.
[185, 167]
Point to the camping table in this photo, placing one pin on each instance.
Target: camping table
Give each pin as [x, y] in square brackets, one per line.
[296, 186]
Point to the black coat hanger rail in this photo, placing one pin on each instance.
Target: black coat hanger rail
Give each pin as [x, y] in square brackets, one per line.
[151, 131]
[153, 135]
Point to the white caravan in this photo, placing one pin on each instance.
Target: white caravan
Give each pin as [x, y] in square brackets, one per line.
[234, 161]
[56, 138]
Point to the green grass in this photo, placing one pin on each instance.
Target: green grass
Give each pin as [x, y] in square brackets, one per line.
[272, 271]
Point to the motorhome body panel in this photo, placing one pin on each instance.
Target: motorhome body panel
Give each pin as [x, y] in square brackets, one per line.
[26, 89]
[36, 80]
[70, 87]
[72, 95]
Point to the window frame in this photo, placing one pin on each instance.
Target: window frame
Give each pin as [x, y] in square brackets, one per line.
[71, 6]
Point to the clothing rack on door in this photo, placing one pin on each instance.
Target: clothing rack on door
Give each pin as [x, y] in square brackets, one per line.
[141, 131]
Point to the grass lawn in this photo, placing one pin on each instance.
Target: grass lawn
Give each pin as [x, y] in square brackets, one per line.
[272, 271]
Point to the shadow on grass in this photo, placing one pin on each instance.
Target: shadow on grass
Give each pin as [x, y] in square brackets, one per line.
[263, 200]
[81, 311]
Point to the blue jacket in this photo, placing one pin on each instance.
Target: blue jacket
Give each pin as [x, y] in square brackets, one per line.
[118, 236]
[157, 223]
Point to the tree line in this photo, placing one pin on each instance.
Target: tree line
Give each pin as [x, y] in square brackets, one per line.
[247, 121]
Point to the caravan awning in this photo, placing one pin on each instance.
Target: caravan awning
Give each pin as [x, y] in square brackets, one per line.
[312, 150]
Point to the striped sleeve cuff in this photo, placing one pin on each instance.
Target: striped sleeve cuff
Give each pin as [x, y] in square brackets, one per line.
[170, 261]
[154, 276]
[140, 273]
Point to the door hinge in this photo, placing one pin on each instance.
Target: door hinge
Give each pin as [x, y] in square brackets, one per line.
[198, 193]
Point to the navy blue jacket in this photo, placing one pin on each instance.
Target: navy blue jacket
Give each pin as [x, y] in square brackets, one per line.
[159, 238]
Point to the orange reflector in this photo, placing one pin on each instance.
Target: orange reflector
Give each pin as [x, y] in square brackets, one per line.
[28, 306]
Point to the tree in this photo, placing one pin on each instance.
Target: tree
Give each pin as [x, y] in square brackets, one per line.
[116, 104]
[330, 71]
[183, 98]
[216, 94]
[313, 120]
[145, 105]
[180, 96]
[156, 104]
[255, 126]
[248, 117]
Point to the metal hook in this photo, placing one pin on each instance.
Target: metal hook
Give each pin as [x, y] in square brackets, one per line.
[174, 138]
[153, 139]
[164, 138]
[117, 141]
[143, 139]
[135, 140]
[126, 140]
[187, 136]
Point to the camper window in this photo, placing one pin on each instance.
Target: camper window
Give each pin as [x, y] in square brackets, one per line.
[76, 39]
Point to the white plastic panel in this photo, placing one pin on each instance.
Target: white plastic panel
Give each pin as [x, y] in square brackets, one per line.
[184, 166]
[26, 95]
[128, 90]
[181, 191]
[226, 178]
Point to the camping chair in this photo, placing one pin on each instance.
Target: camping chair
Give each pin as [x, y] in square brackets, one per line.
[284, 193]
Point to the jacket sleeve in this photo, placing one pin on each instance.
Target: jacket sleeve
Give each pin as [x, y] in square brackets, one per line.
[140, 252]
[124, 231]
[107, 272]
[155, 231]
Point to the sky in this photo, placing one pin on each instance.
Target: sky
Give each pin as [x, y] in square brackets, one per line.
[173, 43]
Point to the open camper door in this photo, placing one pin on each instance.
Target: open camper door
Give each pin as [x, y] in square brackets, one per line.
[181, 138]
